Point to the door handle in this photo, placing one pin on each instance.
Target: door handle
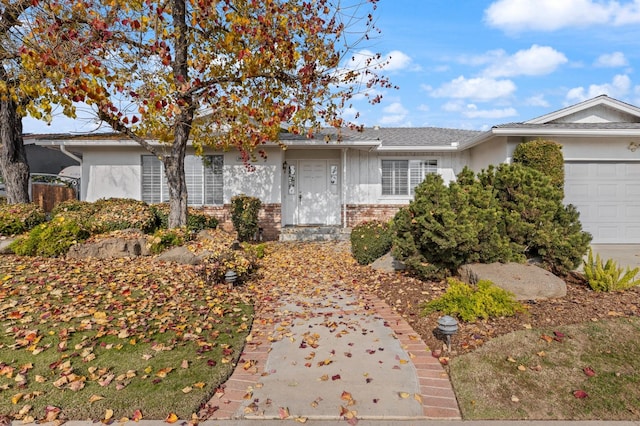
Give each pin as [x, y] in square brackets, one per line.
[300, 197]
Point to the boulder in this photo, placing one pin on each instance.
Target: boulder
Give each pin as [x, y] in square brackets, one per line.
[387, 263]
[111, 248]
[180, 255]
[526, 281]
[4, 245]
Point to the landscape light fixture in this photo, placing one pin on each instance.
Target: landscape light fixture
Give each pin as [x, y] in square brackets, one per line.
[230, 277]
[448, 326]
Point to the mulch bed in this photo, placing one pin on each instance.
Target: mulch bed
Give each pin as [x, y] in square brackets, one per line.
[406, 294]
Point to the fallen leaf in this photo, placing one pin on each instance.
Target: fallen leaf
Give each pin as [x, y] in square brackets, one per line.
[108, 414]
[515, 399]
[522, 367]
[404, 395]
[589, 371]
[171, 418]
[137, 416]
[546, 338]
[580, 394]
[93, 398]
[283, 413]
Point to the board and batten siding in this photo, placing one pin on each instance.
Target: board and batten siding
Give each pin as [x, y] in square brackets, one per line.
[364, 174]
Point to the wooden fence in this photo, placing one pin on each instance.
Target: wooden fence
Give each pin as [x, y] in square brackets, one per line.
[48, 195]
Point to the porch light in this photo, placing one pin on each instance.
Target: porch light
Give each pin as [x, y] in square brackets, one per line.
[448, 326]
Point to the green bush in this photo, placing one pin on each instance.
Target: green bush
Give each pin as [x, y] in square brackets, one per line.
[197, 220]
[445, 227]
[163, 239]
[543, 156]
[119, 213]
[50, 239]
[244, 216]
[608, 276]
[371, 240]
[469, 303]
[507, 213]
[19, 218]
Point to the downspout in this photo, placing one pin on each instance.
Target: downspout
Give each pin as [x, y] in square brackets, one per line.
[344, 187]
[63, 149]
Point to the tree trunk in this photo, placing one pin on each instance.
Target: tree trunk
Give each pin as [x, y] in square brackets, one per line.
[174, 163]
[174, 171]
[13, 157]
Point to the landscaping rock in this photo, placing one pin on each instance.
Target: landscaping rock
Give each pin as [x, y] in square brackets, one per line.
[526, 281]
[387, 263]
[4, 245]
[108, 248]
[180, 255]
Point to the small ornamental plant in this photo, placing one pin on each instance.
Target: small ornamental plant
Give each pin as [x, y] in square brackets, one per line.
[608, 276]
[469, 303]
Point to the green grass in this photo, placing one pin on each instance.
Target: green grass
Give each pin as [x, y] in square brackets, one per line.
[489, 384]
[122, 335]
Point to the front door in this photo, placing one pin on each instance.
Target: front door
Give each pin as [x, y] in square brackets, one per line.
[312, 193]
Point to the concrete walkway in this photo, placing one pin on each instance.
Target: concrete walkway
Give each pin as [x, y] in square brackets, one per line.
[347, 356]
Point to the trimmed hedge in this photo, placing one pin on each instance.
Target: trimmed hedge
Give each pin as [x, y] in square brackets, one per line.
[371, 240]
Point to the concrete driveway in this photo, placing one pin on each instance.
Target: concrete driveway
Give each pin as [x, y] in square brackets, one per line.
[624, 254]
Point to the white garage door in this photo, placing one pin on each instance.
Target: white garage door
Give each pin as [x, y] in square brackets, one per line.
[607, 195]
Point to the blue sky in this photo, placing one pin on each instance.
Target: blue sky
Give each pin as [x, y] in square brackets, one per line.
[472, 64]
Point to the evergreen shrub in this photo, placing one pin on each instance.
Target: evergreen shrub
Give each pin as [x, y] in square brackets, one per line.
[50, 239]
[197, 220]
[506, 213]
[544, 156]
[371, 240]
[244, 216]
[469, 303]
[18, 218]
[115, 214]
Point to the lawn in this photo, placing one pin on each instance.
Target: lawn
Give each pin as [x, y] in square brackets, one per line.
[584, 371]
[113, 339]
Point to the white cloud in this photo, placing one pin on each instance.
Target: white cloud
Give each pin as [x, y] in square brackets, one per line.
[538, 101]
[612, 60]
[394, 113]
[551, 15]
[479, 89]
[618, 88]
[472, 111]
[398, 61]
[537, 60]
[392, 61]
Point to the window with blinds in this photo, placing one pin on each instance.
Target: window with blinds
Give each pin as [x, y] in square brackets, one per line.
[203, 177]
[400, 177]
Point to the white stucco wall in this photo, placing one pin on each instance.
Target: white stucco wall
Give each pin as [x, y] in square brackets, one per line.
[492, 152]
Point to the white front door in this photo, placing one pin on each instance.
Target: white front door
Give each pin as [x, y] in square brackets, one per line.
[312, 193]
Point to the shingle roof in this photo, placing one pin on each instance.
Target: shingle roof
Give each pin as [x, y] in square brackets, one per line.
[394, 136]
[576, 126]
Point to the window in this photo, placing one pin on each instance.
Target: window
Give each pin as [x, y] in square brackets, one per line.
[203, 178]
[400, 177]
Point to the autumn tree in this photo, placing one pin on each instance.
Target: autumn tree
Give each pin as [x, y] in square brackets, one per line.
[13, 157]
[224, 74]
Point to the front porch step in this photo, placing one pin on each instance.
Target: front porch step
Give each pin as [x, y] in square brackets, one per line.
[315, 233]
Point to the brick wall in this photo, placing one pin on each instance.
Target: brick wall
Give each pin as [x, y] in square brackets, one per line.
[269, 219]
[357, 213]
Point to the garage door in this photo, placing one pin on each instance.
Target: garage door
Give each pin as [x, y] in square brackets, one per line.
[607, 195]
